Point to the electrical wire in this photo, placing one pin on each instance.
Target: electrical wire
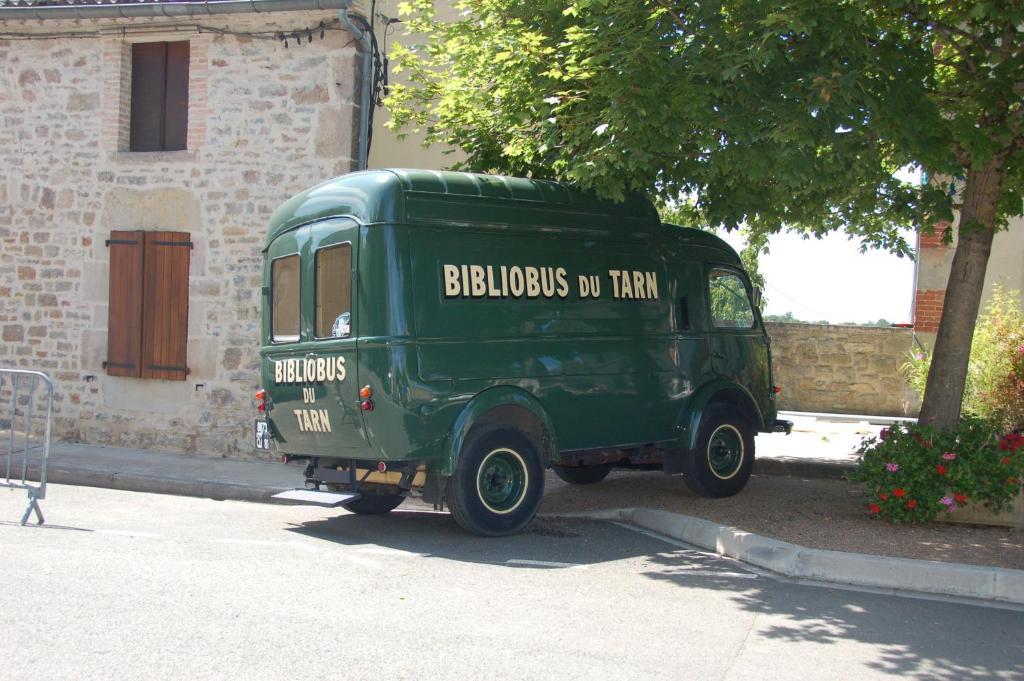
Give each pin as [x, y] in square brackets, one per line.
[795, 301]
[282, 36]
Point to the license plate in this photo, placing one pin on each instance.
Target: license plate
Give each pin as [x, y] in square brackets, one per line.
[261, 431]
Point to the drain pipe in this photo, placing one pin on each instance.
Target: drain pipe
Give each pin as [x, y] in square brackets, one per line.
[365, 84]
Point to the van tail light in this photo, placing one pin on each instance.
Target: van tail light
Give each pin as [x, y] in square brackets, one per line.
[261, 400]
[366, 405]
[365, 393]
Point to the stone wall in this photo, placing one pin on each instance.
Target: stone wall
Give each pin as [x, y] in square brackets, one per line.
[264, 123]
[842, 369]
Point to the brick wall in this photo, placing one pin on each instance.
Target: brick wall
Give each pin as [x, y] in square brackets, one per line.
[932, 255]
[264, 123]
[928, 309]
[842, 369]
[937, 237]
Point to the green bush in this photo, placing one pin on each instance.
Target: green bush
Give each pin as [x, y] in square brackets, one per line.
[997, 361]
[913, 473]
[995, 376]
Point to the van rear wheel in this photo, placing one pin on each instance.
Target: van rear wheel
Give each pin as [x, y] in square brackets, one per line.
[582, 475]
[374, 504]
[720, 464]
[498, 482]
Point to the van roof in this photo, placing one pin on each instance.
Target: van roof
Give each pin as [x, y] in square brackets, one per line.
[454, 199]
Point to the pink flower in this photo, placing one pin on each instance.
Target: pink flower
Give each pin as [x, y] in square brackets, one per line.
[892, 467]
[948, 501]
[883, 434]
[949, 456]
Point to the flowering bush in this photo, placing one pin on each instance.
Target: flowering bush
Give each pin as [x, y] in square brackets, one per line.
[913, 473]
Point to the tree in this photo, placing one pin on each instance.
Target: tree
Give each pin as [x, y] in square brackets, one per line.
[774, 114]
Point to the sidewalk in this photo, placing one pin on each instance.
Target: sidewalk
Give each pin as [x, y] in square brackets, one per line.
[795, 501]
[143, 470]
[816, 449]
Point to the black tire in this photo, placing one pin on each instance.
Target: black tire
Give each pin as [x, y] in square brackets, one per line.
[582, 475]
[721, 462]
[498, 482]
[374, 504]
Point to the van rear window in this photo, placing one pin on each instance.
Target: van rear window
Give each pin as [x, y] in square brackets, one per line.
[284, 298]
[334, 291]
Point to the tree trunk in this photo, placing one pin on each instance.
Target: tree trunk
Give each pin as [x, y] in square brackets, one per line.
[944, 391]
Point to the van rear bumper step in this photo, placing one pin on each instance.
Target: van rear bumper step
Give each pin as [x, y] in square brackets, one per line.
[316, 497]
[781, 426]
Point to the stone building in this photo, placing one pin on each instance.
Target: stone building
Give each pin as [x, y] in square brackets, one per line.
[143, 147]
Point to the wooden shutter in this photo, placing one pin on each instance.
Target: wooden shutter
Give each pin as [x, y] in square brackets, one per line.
[176, 100]
[148, 86]
[165, 305]
[124, 325]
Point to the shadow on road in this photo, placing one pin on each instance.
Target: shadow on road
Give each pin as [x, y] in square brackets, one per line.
[548, 542]
[913, 634]
[44, 526]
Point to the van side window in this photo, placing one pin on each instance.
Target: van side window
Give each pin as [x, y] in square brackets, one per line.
[730, 304]
[284, 299]
[334, 291]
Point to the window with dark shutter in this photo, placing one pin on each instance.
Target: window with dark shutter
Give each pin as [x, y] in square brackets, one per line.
[159, 114]
[147, 332]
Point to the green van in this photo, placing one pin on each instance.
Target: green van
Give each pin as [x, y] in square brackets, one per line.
[454, 335]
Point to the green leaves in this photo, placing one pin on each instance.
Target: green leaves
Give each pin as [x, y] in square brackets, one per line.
[782, 114]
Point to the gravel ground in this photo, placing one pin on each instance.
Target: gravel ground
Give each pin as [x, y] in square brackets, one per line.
[823, 514]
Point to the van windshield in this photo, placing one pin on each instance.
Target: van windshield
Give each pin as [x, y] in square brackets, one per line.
[284, 298]
[334, 291]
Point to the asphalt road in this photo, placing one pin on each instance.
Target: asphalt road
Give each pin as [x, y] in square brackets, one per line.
[122, 585]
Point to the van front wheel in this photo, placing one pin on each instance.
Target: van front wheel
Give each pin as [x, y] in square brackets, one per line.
[720, 464]
[498, 482]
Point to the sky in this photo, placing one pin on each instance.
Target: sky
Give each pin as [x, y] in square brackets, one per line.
[831, 279]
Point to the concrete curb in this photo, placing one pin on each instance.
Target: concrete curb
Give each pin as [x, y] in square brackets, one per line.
[128, 482]
[803, 468]
[857, 569]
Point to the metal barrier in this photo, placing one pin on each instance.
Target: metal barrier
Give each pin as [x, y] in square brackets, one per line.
[21, 387]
